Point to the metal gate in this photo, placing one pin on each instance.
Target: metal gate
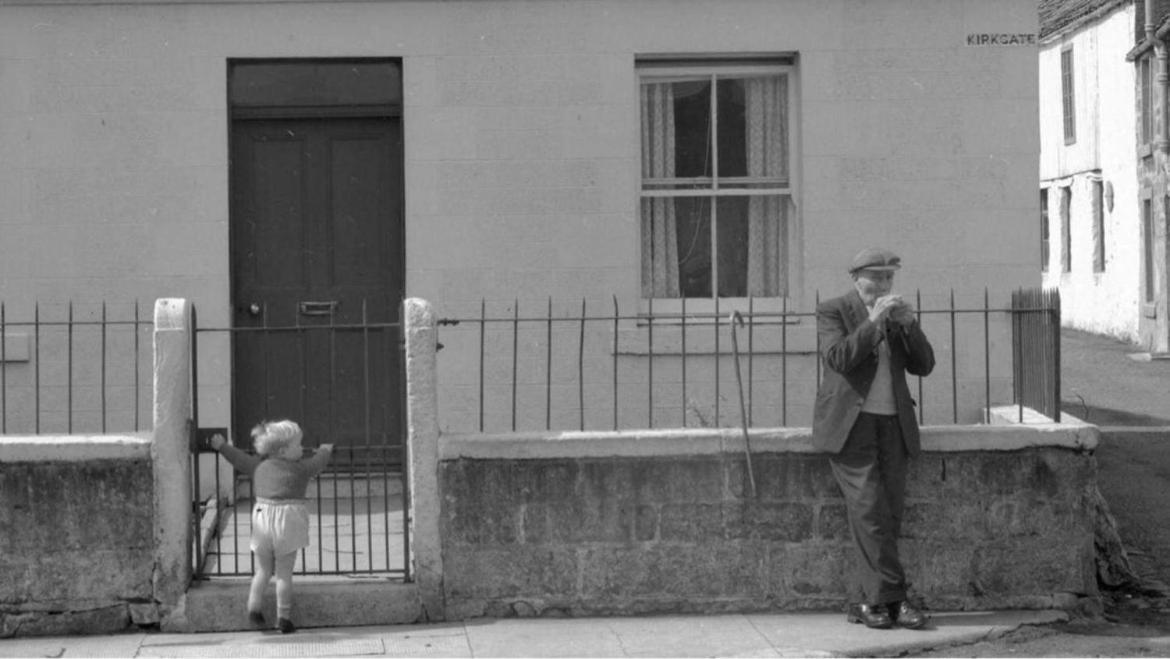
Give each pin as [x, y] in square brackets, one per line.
[358, 506]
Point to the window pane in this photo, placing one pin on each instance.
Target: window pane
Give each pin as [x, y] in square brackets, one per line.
[692, 128]
[732, 130]
[753, 129]
[694, 246]
[732, 234]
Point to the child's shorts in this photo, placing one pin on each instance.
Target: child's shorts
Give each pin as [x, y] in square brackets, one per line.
[280, 527]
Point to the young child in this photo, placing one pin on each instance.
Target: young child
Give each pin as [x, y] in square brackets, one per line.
[280, 520]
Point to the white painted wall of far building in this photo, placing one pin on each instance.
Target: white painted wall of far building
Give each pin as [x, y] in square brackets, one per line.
[521, 144]
[1103, 302]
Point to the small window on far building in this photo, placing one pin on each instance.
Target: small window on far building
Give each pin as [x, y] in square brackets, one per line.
[1146, 82]
[1044, 236]
[1098, 226]
[1148, 247]
[1068, 95]
[1066, 229]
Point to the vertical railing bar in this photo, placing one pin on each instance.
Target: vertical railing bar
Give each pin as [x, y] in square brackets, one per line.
[1052, 302]
[816, 304]
[352, 512]
[548, 367]
[37, 368]
[650, 361]
[1017, 353]
[137, 367]
[391, 376]
[954, 362]
[684, 362]
[4, 372]
[404, 471]
[235, 518]
[615, 362]
[103, 367]
[716, 326]
[302, 335]
[784, 362]
[264, 350]
[921, 402]
[482, 331]
[581, 369]
[69, 371]
[366, 464]
[751, 331]
[330, 415]
[336, 527]
[515, 354]
[986, 356]
[196, 476]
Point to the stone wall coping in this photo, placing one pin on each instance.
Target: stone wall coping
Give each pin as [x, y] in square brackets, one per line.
[712, 441]
[74, 448]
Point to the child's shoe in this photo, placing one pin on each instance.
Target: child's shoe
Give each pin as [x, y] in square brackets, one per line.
[257, 620]
[285, 625]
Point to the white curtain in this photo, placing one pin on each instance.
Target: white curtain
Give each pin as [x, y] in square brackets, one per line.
[659, 229]
[767, 144]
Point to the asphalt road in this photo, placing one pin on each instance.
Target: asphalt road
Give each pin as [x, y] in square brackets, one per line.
[1130, 399]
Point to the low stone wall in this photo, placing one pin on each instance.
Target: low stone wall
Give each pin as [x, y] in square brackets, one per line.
[626, 523]
[78, 552]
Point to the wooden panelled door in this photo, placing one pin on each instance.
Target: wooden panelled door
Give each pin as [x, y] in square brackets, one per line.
[317, 257]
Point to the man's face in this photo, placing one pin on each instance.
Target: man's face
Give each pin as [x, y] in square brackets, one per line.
[872, 284]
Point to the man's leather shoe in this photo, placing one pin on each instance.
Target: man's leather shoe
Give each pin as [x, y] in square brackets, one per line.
[907, 616]
[873, 616]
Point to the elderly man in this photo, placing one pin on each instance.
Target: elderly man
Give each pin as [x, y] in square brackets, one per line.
[864, 416]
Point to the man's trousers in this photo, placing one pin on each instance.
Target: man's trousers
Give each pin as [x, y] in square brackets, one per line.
[871, 472]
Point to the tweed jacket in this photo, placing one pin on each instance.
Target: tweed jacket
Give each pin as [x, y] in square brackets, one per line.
[849, 344]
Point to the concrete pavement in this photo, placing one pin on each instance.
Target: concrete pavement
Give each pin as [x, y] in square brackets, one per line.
[730, 635]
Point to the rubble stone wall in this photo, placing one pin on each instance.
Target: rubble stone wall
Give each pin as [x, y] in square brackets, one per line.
[540, 531]
[78, 552]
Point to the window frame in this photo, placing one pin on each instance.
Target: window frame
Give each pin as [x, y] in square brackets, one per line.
[668, 70]
[1066, 199]
[1045, 232]
[1146, 88]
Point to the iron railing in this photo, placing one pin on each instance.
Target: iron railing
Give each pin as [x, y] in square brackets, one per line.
[75, 368]
[1036, 342]
[357, 506]
[595, 367]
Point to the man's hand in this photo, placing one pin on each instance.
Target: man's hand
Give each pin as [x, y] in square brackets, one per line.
[903, 314]
[217, 441]
[884, 306]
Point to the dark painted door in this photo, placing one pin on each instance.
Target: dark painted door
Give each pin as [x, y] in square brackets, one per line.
[317, 280]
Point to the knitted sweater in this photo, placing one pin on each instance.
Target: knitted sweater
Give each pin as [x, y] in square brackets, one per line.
[277, 478]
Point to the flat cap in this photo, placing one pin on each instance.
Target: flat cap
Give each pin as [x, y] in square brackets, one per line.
[875, 258]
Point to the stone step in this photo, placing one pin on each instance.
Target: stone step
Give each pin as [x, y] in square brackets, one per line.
[219, 605]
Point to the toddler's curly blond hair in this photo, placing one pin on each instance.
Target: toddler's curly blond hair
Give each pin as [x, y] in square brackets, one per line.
[273, 437]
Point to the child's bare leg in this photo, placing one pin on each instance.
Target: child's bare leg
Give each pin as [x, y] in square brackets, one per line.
[265, 566]
[284, 576]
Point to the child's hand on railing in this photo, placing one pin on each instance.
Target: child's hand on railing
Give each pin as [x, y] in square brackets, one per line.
[326, 447]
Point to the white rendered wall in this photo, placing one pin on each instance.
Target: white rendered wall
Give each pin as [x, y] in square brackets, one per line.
[1101, 302]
